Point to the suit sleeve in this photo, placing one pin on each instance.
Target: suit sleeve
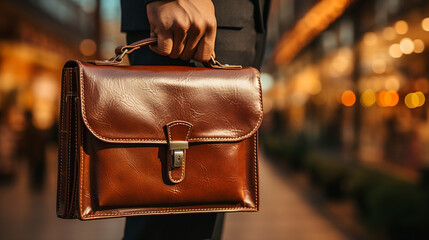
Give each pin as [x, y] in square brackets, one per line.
[134, 16]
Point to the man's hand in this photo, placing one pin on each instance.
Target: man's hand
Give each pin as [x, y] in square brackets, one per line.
[184, 28]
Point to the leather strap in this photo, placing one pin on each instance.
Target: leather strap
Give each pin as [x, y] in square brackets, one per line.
[122, 51]
[135, 45]
[178, 133]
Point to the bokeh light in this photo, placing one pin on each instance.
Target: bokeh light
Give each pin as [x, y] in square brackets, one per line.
[391, 98]
[401, 27]
[387, 98]
[367, 98]
[370, 38]
[380, 99]
[389, 33]
[406, 45]
[415, 99]
[267, 81]
[298, 99]
[425, 24]
[421, 97]
[392, 83]
[88, 47]
[419, 46]
[348, 98]
[379, 66]
[268, 104]
[395, 51]
[411, 100]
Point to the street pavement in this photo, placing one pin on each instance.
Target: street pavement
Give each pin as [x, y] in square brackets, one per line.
[284, 213]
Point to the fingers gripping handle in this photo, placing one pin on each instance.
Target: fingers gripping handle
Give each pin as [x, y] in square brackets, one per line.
[122, 51]
[134, 46]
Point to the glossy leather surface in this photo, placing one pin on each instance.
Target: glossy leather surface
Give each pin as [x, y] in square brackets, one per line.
[130, 115]
[222, 105]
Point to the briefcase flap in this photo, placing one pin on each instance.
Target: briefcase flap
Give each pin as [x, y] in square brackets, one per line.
[133, 104]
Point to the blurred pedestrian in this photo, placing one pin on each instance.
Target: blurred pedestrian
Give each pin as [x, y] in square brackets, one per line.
[9, 130]
[35, 151]
[188, 30]
[8, 141]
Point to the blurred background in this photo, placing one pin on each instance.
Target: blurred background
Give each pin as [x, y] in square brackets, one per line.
[345, 131]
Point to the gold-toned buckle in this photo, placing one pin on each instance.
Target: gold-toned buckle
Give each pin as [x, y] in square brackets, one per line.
[177, 151]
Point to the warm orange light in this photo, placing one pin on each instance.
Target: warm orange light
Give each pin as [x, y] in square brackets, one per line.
[401, 27]
[317, 19]
[367, 99]
[419, 46]
[391, 98]
[348, 98]
[389, 33]
[392, 83]
[370, 38]
[88, 47]
[425, 24]
[388, 98]
[413, 100]
[421, 97]
[395, 51]
[406, 45]
[379, 66]
[380, 99]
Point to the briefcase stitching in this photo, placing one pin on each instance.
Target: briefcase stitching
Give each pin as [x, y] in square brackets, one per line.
[180, 123]
[137, 140]
[70, 83]
[164, 210]
[184, 160]
[182, 176]
[60, 193]
[255, 165]
[169, 210]
[76, 154]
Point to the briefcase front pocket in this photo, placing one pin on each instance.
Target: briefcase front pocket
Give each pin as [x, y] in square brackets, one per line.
[142, 140]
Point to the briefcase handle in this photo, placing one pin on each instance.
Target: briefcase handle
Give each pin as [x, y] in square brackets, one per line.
[122, 51]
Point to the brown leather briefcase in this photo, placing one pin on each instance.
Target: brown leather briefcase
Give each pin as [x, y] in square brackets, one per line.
[142, 140]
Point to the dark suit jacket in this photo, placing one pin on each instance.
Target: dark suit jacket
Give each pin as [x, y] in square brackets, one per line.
[240, 39]
[229, 14]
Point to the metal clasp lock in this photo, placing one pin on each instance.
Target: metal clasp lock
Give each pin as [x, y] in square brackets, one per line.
[177, 151]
